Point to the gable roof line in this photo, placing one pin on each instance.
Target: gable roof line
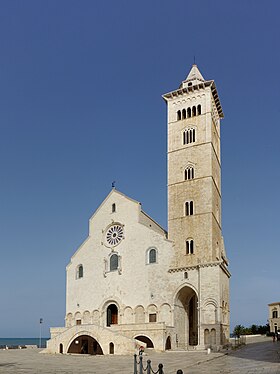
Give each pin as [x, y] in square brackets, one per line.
[107, 197]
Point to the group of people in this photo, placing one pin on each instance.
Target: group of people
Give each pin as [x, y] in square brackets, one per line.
[275, 336]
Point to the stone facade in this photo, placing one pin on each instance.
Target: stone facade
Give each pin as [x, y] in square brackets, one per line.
[131, 283]
[274, 317]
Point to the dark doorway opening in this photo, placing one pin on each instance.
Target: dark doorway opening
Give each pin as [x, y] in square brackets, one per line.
[111, 348]
[60, 348]
[168, 344]
[112, 315]
[85, 345]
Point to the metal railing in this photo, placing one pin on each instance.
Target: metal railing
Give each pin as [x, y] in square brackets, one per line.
[139, 367]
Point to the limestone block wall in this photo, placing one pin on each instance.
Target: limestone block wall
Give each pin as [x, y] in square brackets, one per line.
[135, 279]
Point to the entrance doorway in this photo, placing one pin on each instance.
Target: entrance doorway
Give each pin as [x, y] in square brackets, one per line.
[85, 344]
[186, 318]
[112, 315]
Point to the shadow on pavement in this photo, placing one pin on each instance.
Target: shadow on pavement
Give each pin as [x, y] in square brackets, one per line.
[262, 351]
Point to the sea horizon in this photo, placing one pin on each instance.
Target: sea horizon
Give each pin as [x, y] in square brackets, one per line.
[40, 342]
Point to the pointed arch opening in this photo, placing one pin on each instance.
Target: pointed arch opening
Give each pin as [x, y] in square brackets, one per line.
[168, 343]
[186, 317]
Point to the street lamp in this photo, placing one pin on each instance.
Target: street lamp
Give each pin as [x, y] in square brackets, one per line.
[40, 336]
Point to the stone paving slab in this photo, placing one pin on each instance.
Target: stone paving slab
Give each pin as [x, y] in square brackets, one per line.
[262, 356]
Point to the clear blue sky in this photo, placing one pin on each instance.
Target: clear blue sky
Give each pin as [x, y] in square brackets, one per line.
[80, 106]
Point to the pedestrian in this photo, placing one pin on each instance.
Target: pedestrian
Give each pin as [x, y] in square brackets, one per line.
[273, 337]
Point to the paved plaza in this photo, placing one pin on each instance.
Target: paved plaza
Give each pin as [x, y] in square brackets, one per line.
[260, 356]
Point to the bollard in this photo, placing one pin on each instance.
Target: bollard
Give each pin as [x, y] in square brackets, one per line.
[180, 371]
[148, 367]
[135, 363]
[160, 369]
[141, 364]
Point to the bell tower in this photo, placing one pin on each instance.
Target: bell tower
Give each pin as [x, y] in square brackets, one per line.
[194, 211]
[194, 171]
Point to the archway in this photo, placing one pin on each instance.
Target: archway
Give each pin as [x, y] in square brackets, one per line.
[60, 348]
[112, 315]
[85, 344]
[168, 343]
[146, 340]
[186, 317]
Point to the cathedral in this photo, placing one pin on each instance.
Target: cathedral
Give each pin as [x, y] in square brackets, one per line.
[131, 284]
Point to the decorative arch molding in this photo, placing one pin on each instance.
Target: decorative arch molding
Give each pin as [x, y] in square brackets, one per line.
[209, 311]
[78, 315]
[165, 314]
[69, 319]
[139, 313]
[86, 317]
[128, 315]
[96, 317]
[210, 300]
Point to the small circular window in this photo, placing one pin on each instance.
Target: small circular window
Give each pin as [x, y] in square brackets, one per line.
[114, 235]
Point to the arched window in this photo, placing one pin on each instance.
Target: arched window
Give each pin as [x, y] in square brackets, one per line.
[152, 256]
[113, 208]
[189, 136]
[199, 110]
[111, 348]
[189, 247]
[179, 115]
[193, 111]
[189, 208]
[79, 272]
[189, 112]
[275, 314]
[114, 262]
[184, 113]
[189, 173]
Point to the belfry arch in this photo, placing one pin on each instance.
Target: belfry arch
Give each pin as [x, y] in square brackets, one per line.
[186, 317]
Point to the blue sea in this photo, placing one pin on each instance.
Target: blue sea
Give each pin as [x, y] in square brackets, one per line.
[24, 341]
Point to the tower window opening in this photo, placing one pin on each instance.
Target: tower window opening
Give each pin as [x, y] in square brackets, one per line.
[189, 112]
[179, 116]
[189, 247]
[189, 136]
[198, 109]
[184, 113]
[113, 208]
[189, 173]
[193, 111]
[275, 314]
[190, 84]
[189, 208]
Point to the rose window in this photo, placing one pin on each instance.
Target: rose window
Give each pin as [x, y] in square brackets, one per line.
[114, 235]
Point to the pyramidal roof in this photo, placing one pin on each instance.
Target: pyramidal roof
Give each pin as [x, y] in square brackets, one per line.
[194, 77]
